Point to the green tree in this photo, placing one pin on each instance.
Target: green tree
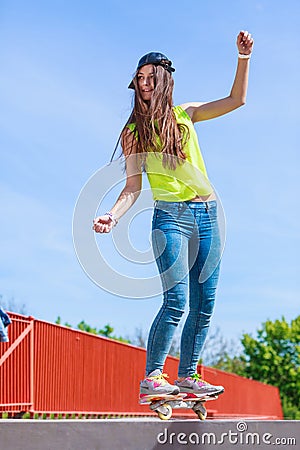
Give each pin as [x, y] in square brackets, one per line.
[66, 324]
[83, 326]
[233, 364]
[106, 331]
[273, 357]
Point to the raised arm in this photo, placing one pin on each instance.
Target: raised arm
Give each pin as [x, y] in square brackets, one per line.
[199, 111]
[131, 191]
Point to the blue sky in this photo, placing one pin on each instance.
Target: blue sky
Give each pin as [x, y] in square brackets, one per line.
[65, 67]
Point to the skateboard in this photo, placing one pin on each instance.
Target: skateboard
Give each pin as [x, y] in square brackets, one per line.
[163, 404]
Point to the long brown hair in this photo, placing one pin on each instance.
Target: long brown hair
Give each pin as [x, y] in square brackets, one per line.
[156, 128]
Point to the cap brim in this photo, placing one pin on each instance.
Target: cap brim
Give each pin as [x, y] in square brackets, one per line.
[131, 85]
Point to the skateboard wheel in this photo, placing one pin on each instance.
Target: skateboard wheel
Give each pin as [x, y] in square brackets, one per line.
[201, 416]
[200, 410]
[166, 413]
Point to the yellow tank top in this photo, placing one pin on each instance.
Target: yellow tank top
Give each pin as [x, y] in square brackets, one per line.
[189, 179]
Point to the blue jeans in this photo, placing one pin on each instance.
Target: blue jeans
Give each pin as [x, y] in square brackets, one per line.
[187, 249]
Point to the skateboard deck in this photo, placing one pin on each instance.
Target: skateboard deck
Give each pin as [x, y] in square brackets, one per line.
[163, 404]
[150, 398]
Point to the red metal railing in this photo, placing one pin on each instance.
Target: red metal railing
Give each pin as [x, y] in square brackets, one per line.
[47, 368]
[16, 366]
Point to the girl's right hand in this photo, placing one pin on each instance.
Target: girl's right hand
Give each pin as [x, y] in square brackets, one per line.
[103, 224]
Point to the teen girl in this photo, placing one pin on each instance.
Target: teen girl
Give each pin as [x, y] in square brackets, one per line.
[160, 138]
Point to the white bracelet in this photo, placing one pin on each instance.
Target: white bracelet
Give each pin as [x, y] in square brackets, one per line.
[112, 217]
[242, 56]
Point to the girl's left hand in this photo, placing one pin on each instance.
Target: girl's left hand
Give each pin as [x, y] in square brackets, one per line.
[244, 43]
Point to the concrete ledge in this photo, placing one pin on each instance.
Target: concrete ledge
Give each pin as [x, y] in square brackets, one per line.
[147, 434]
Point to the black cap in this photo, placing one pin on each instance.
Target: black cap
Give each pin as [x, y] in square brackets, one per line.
[156, 58]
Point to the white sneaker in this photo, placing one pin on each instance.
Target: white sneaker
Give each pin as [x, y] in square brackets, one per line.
[196, 385]
[155, 383]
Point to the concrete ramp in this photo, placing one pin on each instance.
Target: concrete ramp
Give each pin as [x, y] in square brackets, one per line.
[147, 434]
